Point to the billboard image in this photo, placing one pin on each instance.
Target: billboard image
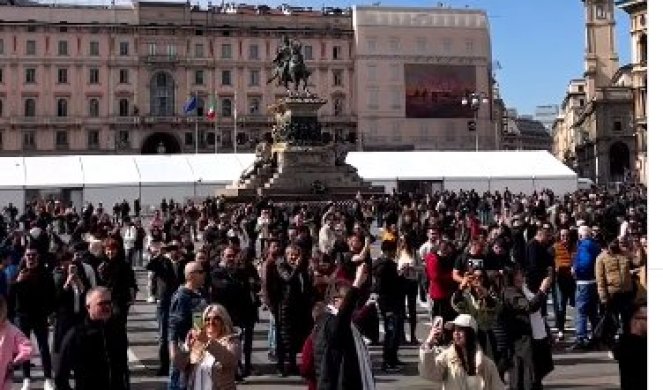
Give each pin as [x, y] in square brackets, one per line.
[436, 91]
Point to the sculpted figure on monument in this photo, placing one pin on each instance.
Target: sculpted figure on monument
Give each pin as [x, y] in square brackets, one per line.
[263, 157]
[289, 66]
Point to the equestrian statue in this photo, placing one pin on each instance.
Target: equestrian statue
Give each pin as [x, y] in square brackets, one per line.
[290, 66]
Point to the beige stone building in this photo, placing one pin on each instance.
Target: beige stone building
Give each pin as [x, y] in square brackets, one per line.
[637, 10]
[602, 129]
[83, 79]
[564, 138]
[412, 67]
[114, 79]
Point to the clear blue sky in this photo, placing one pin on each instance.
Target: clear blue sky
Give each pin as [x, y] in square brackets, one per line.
[539, 43]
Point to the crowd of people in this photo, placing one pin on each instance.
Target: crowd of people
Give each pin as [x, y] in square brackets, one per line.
[484, 264]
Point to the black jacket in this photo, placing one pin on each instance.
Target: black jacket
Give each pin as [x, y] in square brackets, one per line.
[119, 277]
[34, 297]
[97, 352]
[166, 274]
[233, 291]
[335, 355]
[387, 284]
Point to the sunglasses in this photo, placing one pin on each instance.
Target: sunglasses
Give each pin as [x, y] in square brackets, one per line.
[198, 271]
[31, 254]
[213, 318]
[105, 303]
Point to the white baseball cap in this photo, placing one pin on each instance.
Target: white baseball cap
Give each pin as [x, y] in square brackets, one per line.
[466, 321]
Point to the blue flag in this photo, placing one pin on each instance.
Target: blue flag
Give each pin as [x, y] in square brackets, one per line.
[190, 105]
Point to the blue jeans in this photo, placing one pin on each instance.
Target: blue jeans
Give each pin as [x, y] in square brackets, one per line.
[586, 308]
[176, 381]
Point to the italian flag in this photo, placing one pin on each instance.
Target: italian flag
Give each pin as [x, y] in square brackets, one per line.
[211, 111]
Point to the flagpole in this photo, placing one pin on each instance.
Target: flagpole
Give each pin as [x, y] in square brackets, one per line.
[216, 126]
[196, 119]
[235, 124]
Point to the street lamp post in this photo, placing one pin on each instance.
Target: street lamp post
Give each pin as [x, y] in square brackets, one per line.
[474, 100]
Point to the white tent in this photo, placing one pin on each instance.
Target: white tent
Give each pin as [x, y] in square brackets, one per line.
[108, 186]
[524, 171]
[12, 181]
[109, 179]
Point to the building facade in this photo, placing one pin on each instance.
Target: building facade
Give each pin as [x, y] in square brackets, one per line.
[547, 114]
[563, 134]
[637, 10]
[523, 133]
[115, 79]
[413, 68]
[599, 128]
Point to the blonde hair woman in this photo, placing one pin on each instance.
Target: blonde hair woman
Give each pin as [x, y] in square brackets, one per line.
[214, 351]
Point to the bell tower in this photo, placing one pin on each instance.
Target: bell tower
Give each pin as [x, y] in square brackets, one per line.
[601, 58]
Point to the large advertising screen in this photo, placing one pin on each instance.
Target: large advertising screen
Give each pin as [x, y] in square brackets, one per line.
[436, 91]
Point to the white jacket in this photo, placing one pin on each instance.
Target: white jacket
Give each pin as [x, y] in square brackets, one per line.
[442, 365]
[326, 239]
[129, 237]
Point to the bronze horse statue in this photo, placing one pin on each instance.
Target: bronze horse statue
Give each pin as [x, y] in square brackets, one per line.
[291, 68]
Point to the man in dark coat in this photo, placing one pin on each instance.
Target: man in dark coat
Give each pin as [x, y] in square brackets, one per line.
[341, 359]
[165, 268]
[95, 350]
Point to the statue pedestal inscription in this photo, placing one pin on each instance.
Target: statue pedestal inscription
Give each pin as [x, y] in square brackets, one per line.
[294, 162]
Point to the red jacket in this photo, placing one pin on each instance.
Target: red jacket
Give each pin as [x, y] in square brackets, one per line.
[307, 368]
[441, 283]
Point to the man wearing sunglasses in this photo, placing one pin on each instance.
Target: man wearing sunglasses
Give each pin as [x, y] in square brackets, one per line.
[186, 302]
[96, 350]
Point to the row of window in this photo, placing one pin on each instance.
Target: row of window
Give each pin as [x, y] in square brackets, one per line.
[225, 107]
[227, 51]
[421, 45]
[198, 76]
[61, 139]
[205, 138]
[30, 76]
[170, 50]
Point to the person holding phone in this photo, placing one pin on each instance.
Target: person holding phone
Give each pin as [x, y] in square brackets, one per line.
[71, 285]
[462, 365]
[33, 298]
[340, 354]
[214, 351]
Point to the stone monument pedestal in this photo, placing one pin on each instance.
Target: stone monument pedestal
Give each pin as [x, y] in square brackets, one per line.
[302, 166]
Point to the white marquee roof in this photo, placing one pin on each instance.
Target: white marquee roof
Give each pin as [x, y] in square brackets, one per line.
[430, 165]
[106, 171]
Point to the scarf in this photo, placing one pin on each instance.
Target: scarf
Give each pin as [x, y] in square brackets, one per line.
[363, 357]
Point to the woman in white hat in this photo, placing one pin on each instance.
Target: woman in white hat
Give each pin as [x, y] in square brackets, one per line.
[462, 365]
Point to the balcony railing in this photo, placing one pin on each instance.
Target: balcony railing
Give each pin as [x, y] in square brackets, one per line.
[160, 59]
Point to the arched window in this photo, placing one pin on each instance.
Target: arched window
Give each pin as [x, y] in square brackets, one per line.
[94, 108]
[124, 107]
[29, 109]
[226, 107]
[62, 107]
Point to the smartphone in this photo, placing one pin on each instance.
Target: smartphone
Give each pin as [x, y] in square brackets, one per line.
[198, 321]
[438, 322]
